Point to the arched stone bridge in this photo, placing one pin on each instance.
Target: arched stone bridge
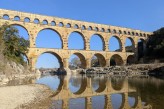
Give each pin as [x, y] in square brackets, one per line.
[106, 88]
[35, 23]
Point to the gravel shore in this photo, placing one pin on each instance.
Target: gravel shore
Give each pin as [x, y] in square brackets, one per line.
[25, 97]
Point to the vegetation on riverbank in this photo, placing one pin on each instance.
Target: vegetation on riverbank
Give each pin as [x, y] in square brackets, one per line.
[12, 46]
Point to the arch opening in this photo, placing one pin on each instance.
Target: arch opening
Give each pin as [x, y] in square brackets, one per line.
[76, 40]
[129, 45]
[17, 18]
[26, 19]
[45, 22]
[49, 60]
[98, 60]
[141, 48]
[22, 31]
[77, 60]
[116, 60]
[68, 25]
[6, 17]
[49, 38]
[130, 59]
[115, 44]
[36, 21]
[97, 42]
[61, 24]
[53, 23]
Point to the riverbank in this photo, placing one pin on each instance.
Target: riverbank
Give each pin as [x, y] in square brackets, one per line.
[129, 70]
[25, 97]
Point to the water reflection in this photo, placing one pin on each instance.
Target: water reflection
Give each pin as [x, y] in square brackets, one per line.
[100, 92]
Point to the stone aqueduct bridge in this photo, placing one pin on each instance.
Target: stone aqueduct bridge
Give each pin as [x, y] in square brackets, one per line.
[35, 23]
[106, 88]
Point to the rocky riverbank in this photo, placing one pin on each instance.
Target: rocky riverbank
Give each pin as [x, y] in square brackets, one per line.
[130, 71]
[13, 71]
[25, 97]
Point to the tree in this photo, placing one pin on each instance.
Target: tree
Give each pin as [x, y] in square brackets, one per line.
[13, 47]
[155, 44]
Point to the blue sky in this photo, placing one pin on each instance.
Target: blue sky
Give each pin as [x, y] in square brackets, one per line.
[146, 15]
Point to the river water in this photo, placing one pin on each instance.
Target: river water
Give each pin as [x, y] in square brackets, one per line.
[102, 92]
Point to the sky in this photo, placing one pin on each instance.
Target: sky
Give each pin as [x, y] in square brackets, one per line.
[146, 15]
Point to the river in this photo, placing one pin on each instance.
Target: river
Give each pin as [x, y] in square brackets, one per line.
[103, 92]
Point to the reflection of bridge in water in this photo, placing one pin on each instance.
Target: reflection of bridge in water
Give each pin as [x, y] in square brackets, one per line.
[106, 88]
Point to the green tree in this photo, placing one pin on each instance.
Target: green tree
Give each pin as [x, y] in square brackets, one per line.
[13, 47]
[155, 44]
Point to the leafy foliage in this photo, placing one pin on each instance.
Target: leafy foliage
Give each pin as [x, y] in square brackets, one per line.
[12, 46]
[155, 44]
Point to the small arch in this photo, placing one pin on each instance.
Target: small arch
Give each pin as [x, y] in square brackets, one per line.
[96, 29]
[116, 60]
[83, 27]
[129, 33]
[68, 25]
[76, 26]
[125, 32]
[108, 30]
[45, 22]
[144, 35]
[26, 19]
[36, 21]
[98, 60]
[61, 24]
[89, 28]
[6, 17]
[102, 30]
[16, 18]
[140, 34]
[120, 32]
[137, 34]
[133, 33]
[53, 23]
[114, 31]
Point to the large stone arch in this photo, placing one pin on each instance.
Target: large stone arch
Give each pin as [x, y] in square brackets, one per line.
[102, 40]
[17, 24]
[54, 30]
[101, 59]
[118, 60]
[82, 59]
[81, 34]
[54, 54]
[132, 47]
[119, 42]
[130, 59]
